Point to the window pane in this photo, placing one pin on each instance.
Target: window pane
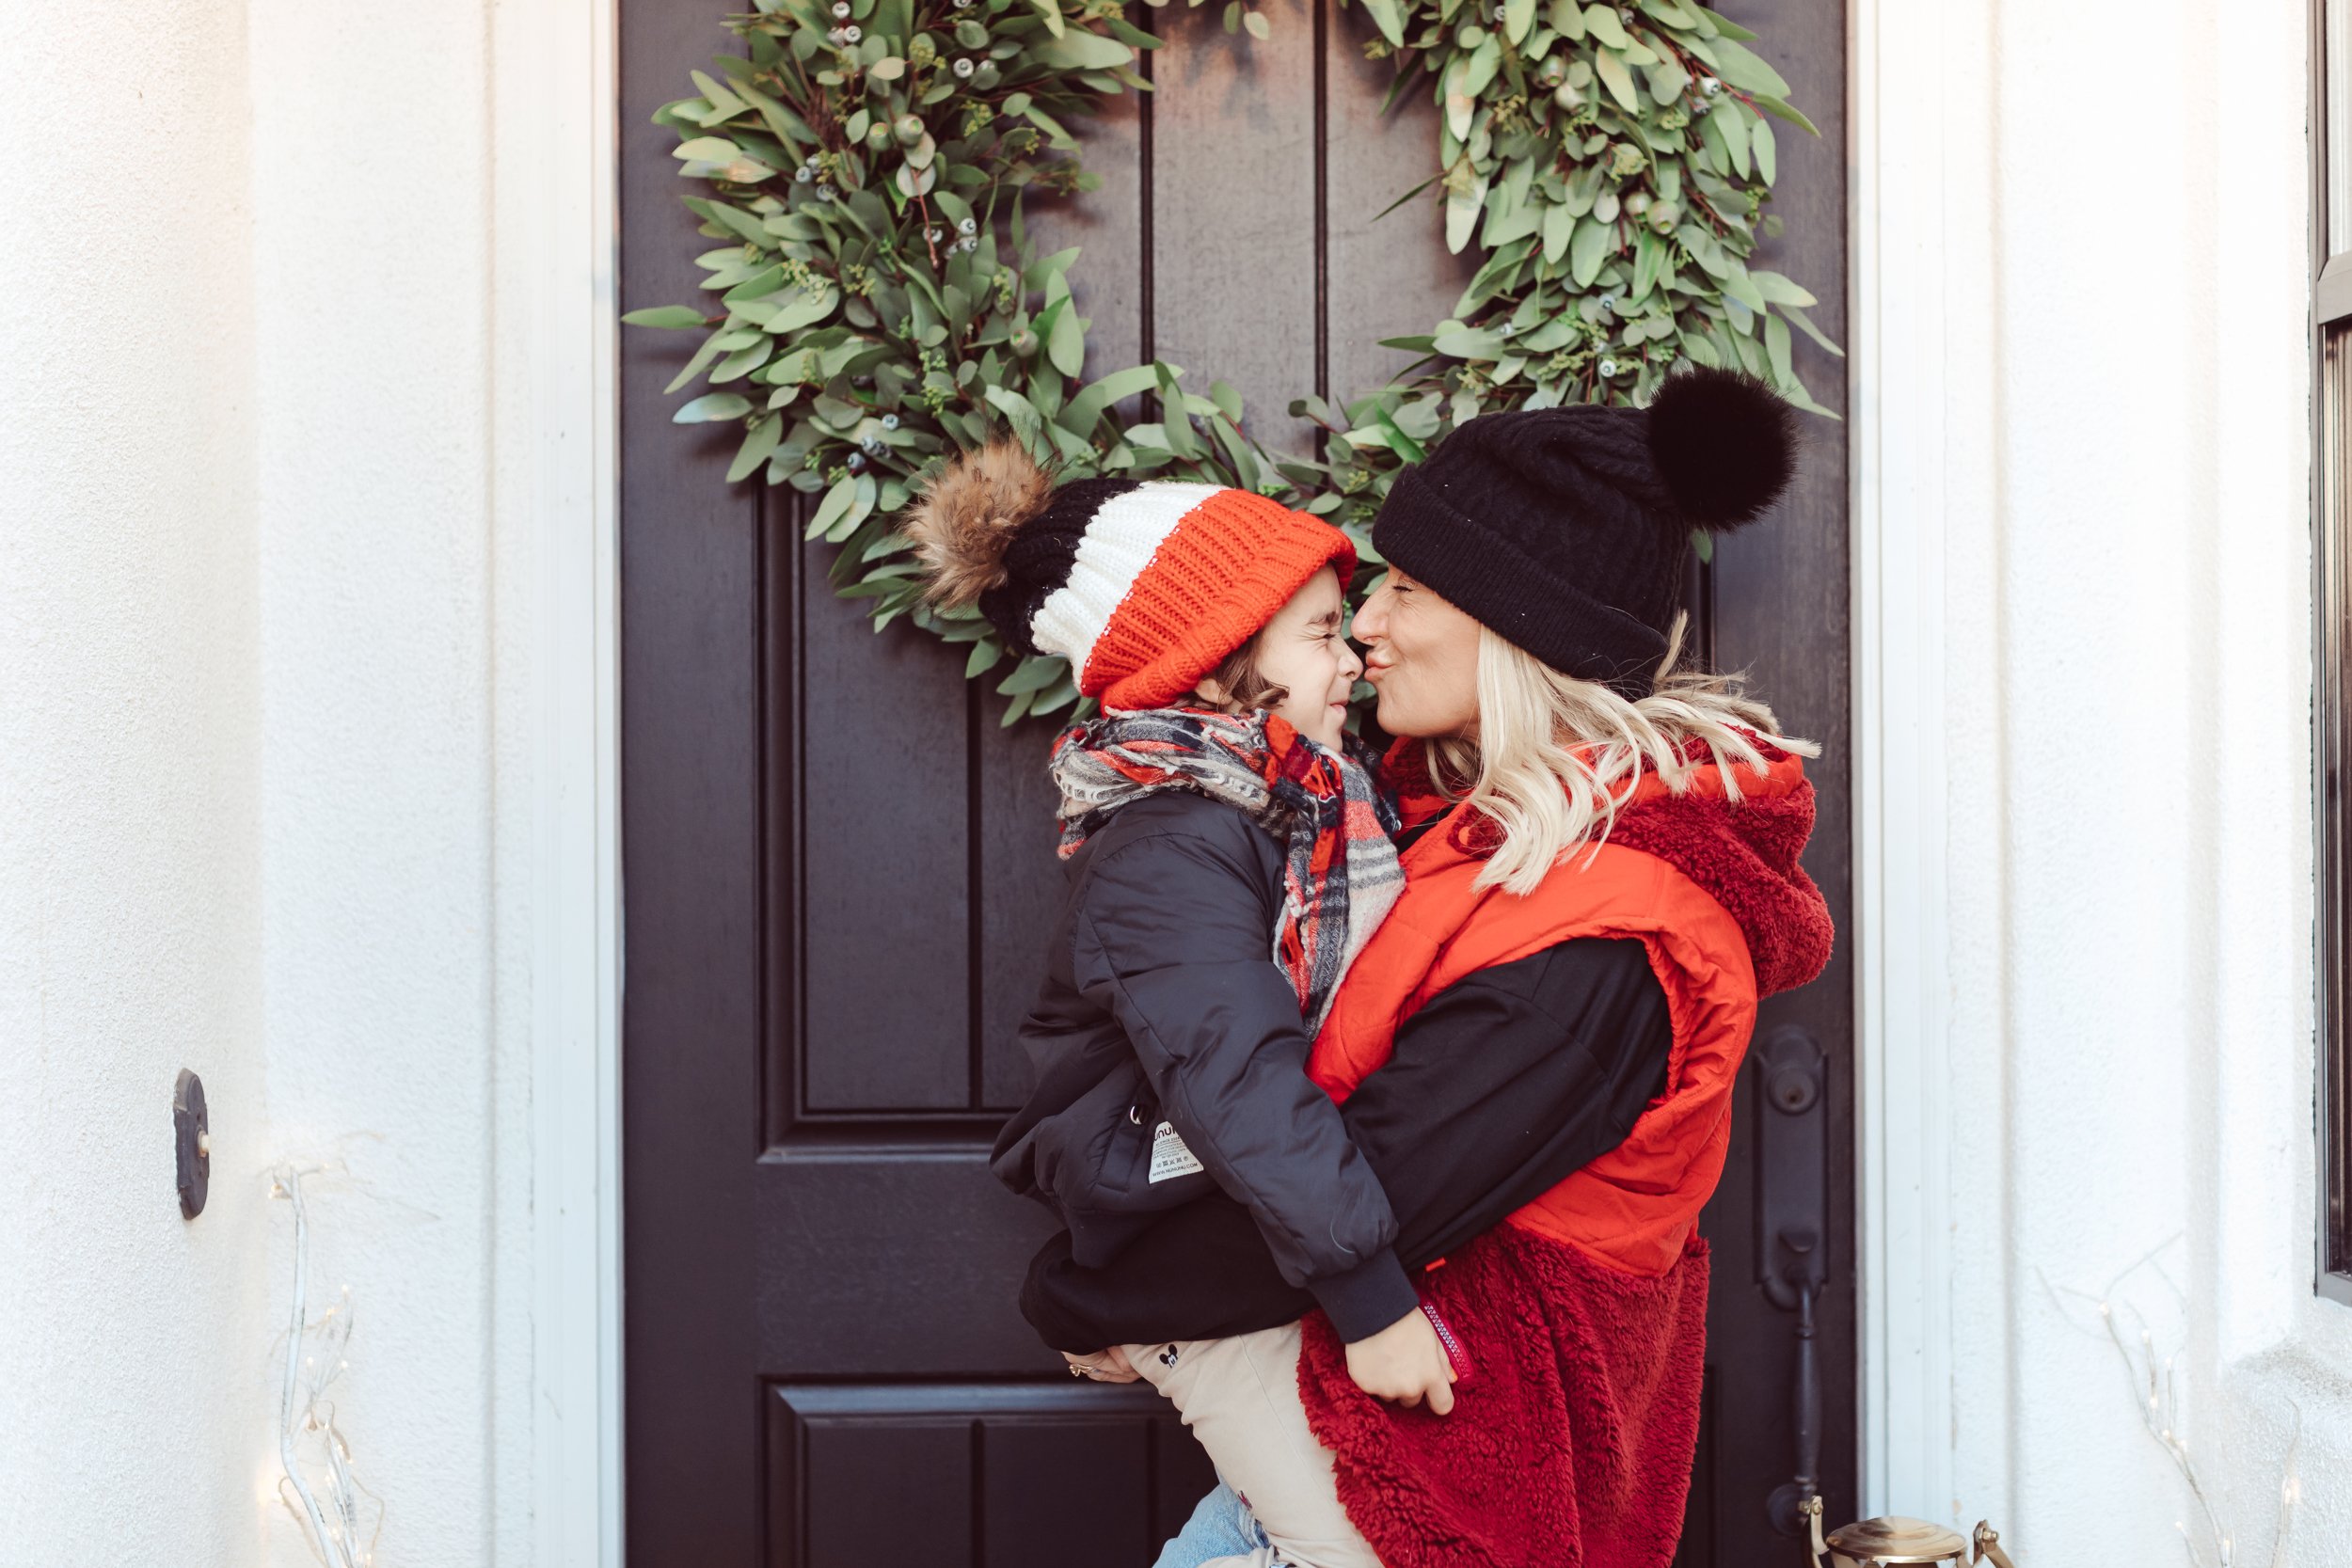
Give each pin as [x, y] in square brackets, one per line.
[2338, 110]
[2336, 542]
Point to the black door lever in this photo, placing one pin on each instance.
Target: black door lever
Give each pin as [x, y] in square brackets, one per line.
[1792, 1219]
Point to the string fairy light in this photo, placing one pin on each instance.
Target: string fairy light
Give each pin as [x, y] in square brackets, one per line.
[339, 1516]
[2155, 1394]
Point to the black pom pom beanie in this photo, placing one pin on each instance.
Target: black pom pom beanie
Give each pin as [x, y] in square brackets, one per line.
[1568, 529]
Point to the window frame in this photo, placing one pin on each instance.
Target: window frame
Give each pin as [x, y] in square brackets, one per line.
[2331, 564]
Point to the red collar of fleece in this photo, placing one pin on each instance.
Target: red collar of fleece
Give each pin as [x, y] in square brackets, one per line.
[1745, 854]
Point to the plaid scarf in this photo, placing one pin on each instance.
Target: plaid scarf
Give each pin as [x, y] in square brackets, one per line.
[1340, 869]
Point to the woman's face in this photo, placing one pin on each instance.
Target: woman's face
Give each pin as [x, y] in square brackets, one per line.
[1423, 660]
[1304, 651]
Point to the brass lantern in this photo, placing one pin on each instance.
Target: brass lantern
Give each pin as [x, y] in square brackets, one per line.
[1883, 1542]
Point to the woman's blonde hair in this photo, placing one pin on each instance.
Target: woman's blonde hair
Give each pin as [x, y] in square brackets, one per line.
[1556, 756]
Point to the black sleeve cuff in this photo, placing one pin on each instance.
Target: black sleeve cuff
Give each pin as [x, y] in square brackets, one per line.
[1368, 1297]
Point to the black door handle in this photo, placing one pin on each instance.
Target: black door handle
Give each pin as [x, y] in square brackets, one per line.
[1792, 1226]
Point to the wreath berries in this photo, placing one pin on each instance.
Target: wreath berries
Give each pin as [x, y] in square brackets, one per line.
[879, 301]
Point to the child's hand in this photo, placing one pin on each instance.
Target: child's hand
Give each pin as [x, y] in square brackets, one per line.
[1108, 1365]
[1405, 1363]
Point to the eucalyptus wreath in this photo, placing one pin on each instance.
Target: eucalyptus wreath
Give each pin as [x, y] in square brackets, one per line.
[879, 300]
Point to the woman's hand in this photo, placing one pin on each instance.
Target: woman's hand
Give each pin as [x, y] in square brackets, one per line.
[1405, 1363]
[1105, 1366]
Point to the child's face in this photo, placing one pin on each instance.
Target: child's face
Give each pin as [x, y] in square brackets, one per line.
[1304, 651]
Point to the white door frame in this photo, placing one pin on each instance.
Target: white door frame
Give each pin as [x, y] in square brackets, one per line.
[554, 114]
[1908, 67]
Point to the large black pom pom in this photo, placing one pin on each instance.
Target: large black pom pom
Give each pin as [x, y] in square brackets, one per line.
[1725, 443]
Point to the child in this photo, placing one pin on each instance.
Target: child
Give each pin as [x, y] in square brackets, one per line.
[1227, 856]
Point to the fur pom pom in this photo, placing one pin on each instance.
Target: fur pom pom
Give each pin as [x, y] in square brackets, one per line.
[967, 517]
[1725, 443]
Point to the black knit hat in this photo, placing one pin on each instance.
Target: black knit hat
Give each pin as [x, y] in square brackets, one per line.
[1567, 529]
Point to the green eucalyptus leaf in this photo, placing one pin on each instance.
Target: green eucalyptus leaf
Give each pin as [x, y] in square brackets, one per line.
[1804, 324]
[1033, 674]
[1779, 290]
[862, 497]
[1469, 343]
[1649, 255]
[1079, 50]
[696, 365]
[1732, 123]
[1462, 209]
[674, 318]
[1723, 25]
[1052, 127]
[1482, 66]
[1388, 16]
[834, 508]
[1559, 224]
[1399, 442]
[1065, 339]
[1740, 68]
[1589, 248]
[1614, 75]
[1461, 106]
[1018, 411]
[804, 307]
[1603, 24]
[1776, 346]
[1090, 403]
[755, 447]
[710, 406]
[1771, 105]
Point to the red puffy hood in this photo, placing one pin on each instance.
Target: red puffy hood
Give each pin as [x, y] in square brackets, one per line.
[1744, 853]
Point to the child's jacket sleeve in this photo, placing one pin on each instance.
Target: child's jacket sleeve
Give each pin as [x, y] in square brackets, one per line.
[1174, 939]
[1502, 1085]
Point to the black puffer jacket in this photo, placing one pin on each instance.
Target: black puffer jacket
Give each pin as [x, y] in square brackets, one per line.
[1167, 1043]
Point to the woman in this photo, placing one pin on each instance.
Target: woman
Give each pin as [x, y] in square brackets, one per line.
[1602, 882]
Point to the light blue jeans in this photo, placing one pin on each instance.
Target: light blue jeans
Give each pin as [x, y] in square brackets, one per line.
[1221, 1526]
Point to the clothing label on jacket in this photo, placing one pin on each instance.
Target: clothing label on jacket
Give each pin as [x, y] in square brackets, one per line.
[1169, 1157]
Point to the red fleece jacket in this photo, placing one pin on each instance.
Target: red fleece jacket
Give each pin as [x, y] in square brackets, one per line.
[1585, 1316]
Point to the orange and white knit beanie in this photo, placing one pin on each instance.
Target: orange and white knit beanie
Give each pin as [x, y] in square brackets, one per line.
[1143, 585]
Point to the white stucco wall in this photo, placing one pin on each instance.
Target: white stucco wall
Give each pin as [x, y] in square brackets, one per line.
[133, 1394]
[381, 712]
[266, 782]
[2126, 698]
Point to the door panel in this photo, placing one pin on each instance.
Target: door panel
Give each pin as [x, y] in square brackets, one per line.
[974, 1475]
[885, 825]
[839, 866]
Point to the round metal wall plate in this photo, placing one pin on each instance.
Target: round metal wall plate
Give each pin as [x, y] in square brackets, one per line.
[191, 1131]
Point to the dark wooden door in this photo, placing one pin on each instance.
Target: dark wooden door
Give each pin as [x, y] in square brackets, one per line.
[838, 867]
